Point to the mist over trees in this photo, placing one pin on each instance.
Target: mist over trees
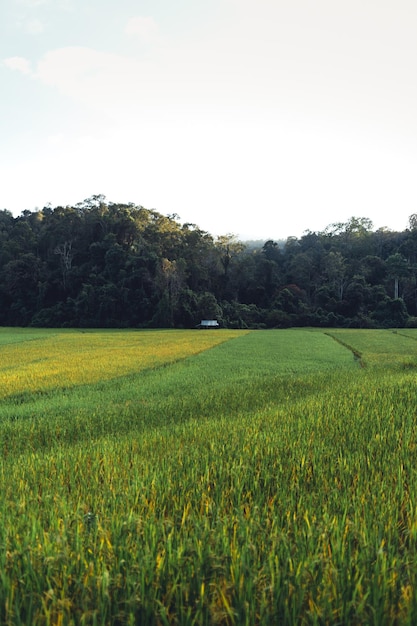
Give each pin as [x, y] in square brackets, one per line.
[102, 264]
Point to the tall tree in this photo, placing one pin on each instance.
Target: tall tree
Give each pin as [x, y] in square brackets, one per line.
[398, 269]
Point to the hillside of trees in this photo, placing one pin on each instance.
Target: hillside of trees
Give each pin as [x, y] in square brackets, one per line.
[101, 264]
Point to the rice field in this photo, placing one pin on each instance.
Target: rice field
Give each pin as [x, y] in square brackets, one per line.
[220, 477]
[45, 360]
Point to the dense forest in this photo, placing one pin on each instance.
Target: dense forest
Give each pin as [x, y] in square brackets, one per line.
[101, 264]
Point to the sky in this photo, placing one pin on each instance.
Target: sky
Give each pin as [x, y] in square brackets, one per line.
[259, 118]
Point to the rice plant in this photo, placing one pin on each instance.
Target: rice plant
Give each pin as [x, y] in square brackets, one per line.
[253, 478]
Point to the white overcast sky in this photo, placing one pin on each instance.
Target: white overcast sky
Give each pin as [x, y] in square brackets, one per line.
[262, 118]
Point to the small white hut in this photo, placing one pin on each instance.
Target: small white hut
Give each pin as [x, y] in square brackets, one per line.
[208, 324]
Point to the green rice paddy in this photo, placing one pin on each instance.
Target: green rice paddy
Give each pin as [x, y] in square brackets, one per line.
[219, 477]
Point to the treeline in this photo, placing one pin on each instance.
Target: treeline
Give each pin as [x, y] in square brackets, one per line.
[101, 264]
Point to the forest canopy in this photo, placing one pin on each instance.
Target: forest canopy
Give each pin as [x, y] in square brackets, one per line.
[103, 264]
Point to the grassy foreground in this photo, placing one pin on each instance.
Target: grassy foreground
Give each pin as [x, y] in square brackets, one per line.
[225, 477]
